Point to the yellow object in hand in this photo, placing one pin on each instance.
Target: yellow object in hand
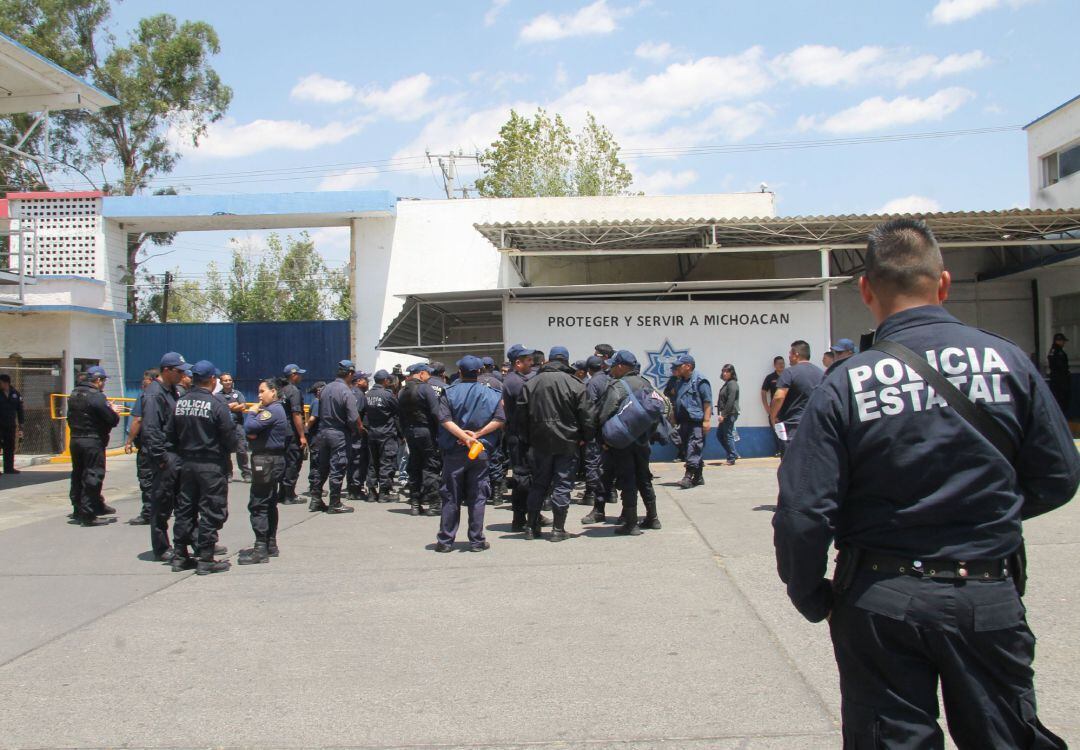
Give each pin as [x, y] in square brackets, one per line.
[475, 450]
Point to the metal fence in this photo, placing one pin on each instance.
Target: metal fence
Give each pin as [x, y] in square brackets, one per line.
[36, 379]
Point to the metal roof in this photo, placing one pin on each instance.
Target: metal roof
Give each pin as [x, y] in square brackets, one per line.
[847, 232]
[32, 83]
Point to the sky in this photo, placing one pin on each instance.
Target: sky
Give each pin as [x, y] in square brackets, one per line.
[703, 96]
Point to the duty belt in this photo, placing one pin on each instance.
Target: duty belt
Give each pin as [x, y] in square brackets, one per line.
[981, 570]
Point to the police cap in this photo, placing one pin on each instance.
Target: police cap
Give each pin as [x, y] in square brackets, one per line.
[172, 359]
[293, 368]
[344, 364]
[517, 351]
[319, 385]
[418, 367]
[594, 363]
[469, 363]
[559, 352]
[381, 375]
[203, 370]
[685, 359]
[623, 357]
[95, 372]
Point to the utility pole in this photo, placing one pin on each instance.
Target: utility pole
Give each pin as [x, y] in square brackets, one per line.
[449, 171]
[165, 297]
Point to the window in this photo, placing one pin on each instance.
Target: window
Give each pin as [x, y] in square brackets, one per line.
[1060, 164]
[1049, 170]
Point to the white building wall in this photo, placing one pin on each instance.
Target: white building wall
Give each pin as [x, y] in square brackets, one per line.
[1054, 131]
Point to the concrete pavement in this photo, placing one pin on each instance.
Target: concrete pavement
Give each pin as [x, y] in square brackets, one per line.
[360, 636]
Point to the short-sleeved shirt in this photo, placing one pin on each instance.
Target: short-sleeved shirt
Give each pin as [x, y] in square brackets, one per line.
[136, 408]
[769, 383]
[800, 380]
[293, 401]
[232, 397]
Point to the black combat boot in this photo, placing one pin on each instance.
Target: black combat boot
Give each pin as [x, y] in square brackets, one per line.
[650, 521]
[587, 498]
[288, 496]
[597, 515]
[629, 526]
[207, 565]
[519, 523]
[258, 554]
[687, 481]
[272, 548]
[387, 494]
[698, 479]
[532, 525]
[336, 506]
[181, 560]
[316, 505]
[558, 531]
[104, 510]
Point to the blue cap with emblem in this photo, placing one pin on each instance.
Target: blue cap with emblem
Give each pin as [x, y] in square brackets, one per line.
[172, 359]
[418, 367]
[685, 359]
[559, 352]
[844, 345]
[517, 351]
[95, 372]
[623, 357]
[381, 375]
[203, 370]
[344, 364]
[469, 363]
[292, 368]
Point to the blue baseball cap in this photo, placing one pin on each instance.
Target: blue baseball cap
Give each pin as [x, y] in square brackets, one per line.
[96, 371]
[623, 357]
[559, 352]
[361, 375]
[418, 367]
[844, 345]
[517, 350]
[469, 363]
[291, 368]
[203, 370]
[488, 361]
[381, 375]
[580, 365]
[344, 364]
[685, 359]
[172, 359]
[594, 362]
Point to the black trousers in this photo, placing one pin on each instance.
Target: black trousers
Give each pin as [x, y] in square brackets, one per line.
[294, 460]
[163, 499]
[384, 461]
[632, 477]
[7, 444]
[896, 637]
[316, 475]
[518, 457]
[424, 467]
[144, 471]
[87, 475]
[334, 448]
[265, 493]
[202, 505]
[359, 460]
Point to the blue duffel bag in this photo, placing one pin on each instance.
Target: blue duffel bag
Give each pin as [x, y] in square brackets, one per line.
[638, 415]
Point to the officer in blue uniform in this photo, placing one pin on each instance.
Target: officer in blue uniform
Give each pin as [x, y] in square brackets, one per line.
[144, 472]
[202, 429]
[468, 411]
[234, 399]
[359, 457]
[12, 418]
[520, 359]
[90, 420]
[596, 491]
[269, 432]
[316, 473]
[419, 405]
[492, 378]
[489, 373]
[338, 420]
[693, 413]
[159, 401]
[437, 381]
[384, 432]
[293, 401]
[926, 510]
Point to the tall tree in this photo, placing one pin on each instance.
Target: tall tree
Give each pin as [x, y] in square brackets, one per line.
[187, 301]
[162, 78]
[541, 157]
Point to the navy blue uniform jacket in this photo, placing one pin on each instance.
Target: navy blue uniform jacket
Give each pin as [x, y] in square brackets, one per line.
[881, 463]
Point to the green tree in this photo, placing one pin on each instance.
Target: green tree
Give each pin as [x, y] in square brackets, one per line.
[162, 78]
[541, 157]
[188, 303]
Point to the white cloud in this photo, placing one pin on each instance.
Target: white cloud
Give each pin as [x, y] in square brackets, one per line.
[595, 19]
[460, 129]
[349, 180]
[910, 204]
[319, 88]
[657, 52]
[881, 114]
[951, 11]
[332, 244]
[664, 181]
[818, 65]
[497, 80]
[406, 99]
[493, 12]
[227, 138]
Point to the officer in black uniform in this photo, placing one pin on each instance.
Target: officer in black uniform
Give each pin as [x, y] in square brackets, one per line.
[496, 460]
[926, 509]
[159, 402]
[12, 418]
[90, 419]
[419, 404]
[359, 456]
[234, 399]
[520, 373]
[204, 433]
[1060, 379]
[293, 401]
[316, 476]
[596, 492]
[384, 432]
[437, 381]
[269, 432]
[144, 471]
[338, 421]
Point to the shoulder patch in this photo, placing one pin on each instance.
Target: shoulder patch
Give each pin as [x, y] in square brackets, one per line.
[265, 415]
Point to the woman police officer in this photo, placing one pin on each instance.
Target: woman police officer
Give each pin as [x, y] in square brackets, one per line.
[268, 430]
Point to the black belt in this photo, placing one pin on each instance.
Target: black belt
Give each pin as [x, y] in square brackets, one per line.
[981, 570]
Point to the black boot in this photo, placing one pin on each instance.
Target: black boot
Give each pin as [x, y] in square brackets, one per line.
[698, 479]
[629, 526]
[207, 565]
[336, 506]
[597, 515]
[258, 554]
[181, 560]
[558, 531]
[316, 505]
[434, 508]
[272, 548]
[588, 498]
[532, 526]
[288, 496]
[650, 521]
[519, 523]
[687, 481]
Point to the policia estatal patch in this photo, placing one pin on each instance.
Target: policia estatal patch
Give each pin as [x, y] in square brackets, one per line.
[264, 415]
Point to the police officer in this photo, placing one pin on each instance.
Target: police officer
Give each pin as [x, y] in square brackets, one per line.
[631, 464]
[338, 419]
[491, 378]
[269, 431]
[144, 472]
[234, 399]
[90, 419]
[841, 350]
[384, 432]
[520, 359]
[489, 374]
[926, 509]
[359, 456]
[437, 381]
[316, 471]
[293, 401]
[12, 418]
[793, 389]
[1057, 361]
[468, 412]
[204, 433]
[159, 402]
[419, 421]
[693, 414]
[596, 491]
[557, 416]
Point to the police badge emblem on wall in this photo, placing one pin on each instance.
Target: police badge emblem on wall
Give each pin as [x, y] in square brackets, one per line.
[662, 363]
